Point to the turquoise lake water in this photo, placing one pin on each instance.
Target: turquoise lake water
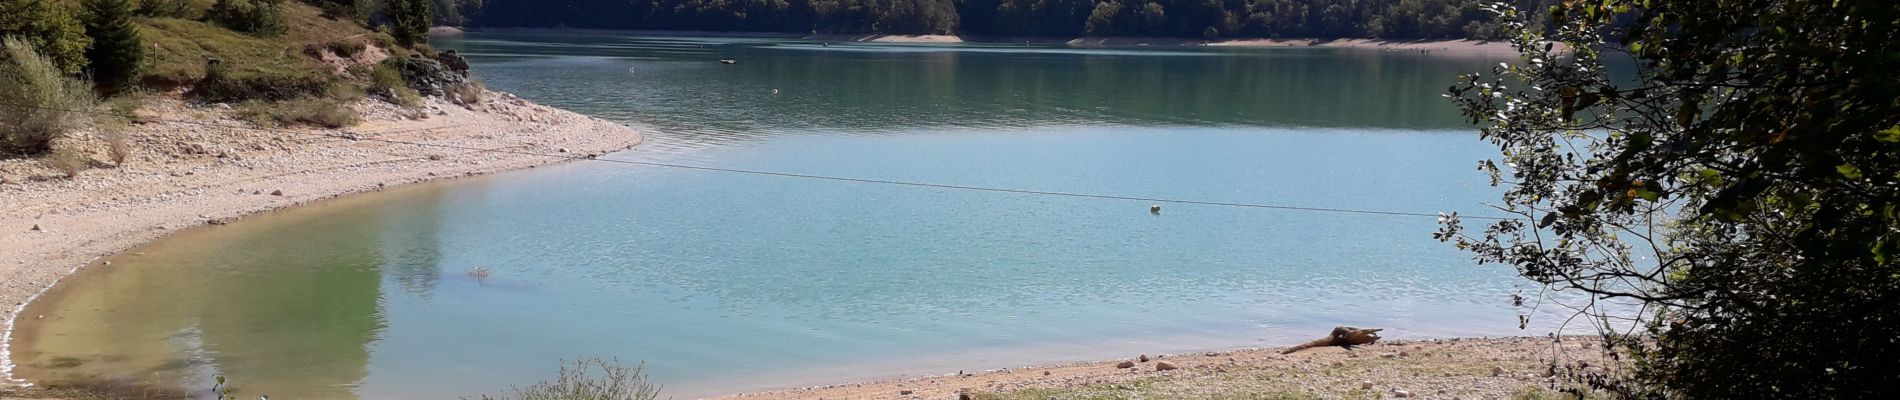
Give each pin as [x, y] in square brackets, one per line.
[724, 283]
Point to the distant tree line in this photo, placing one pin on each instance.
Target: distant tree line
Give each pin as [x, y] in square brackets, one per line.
[1387, 19]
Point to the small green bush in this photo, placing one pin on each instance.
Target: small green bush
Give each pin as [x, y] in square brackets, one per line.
[222, 85]
[386, 80]
[51, 102]
[616, 382]
[466, 93]
[181, 9]
[346, 48]
[319, 113]
[68, 161]
[346, 10]
[382, 38]
[256, 17]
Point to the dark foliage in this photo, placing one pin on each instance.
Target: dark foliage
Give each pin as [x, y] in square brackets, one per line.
[113, 57]
[409, 20]
[347, 10]
[166, 9]
[1754, 164]
[1391, 19]
[50, 27]
[222, 85]
[256, 17]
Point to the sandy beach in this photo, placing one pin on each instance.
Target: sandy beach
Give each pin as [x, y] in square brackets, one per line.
[1489, 368]
[182, 174]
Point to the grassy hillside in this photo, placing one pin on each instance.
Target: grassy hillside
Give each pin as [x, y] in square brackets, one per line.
[177, 49]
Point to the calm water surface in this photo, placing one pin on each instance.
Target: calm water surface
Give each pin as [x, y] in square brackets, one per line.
[724, 283]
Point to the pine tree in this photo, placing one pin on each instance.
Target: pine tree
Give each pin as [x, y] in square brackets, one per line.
[412, 20]
[113, 58]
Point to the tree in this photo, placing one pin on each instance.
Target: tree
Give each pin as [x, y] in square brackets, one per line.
[113, 58]
[1754, 162]
[57, 34]
[412, 19]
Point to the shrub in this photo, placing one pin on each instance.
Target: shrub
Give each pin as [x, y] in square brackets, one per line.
[50, 97]
[616, 382]
[382, 38]
[222, 85]
[346, 48]
[116, 145]
[386, 81]
[58, 35]
[466, 93]
[68, 161]
[256, 17]
[113, 58]
[347, 10]
[319, 113]
[166, 9]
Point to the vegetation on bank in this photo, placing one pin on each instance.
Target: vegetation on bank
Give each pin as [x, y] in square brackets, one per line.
[1743, 189]
[279, 62]
[1386, 19]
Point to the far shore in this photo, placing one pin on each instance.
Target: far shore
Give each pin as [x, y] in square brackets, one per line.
[1458, 47]
[1473, 368]
[182, 174]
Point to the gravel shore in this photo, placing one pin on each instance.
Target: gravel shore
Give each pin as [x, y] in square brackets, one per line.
[181, 173]
[1493, 368]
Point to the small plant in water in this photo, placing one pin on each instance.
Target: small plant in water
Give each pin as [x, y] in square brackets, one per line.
[615, 382]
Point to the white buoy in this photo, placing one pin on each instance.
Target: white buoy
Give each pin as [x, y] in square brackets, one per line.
[774, 90]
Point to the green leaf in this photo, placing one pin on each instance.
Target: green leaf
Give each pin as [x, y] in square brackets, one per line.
[1848, 170]
[1890, 135]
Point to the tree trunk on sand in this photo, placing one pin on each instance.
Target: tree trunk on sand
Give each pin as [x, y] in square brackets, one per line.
[1344, 336]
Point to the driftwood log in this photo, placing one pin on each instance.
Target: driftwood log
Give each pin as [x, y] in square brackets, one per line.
[1344, 336]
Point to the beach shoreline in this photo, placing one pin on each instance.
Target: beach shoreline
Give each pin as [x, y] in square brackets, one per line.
[192, 166]
[1482, 368]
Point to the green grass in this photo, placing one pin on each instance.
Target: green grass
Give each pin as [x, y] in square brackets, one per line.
[318, 113]
[176, 49]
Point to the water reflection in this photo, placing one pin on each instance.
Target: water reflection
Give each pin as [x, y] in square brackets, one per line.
[290, 302]
[677, 86]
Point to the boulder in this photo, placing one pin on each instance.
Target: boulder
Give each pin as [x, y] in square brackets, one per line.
[455, 62]
[1125, 364]
[1165, 366]
[1143, 358]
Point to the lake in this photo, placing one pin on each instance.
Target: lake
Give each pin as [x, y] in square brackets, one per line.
[724, 283]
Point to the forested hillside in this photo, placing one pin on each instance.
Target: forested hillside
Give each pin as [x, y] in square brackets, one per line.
[1387, 19]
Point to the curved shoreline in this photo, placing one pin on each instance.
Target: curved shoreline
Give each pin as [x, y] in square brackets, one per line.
[182, 175]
